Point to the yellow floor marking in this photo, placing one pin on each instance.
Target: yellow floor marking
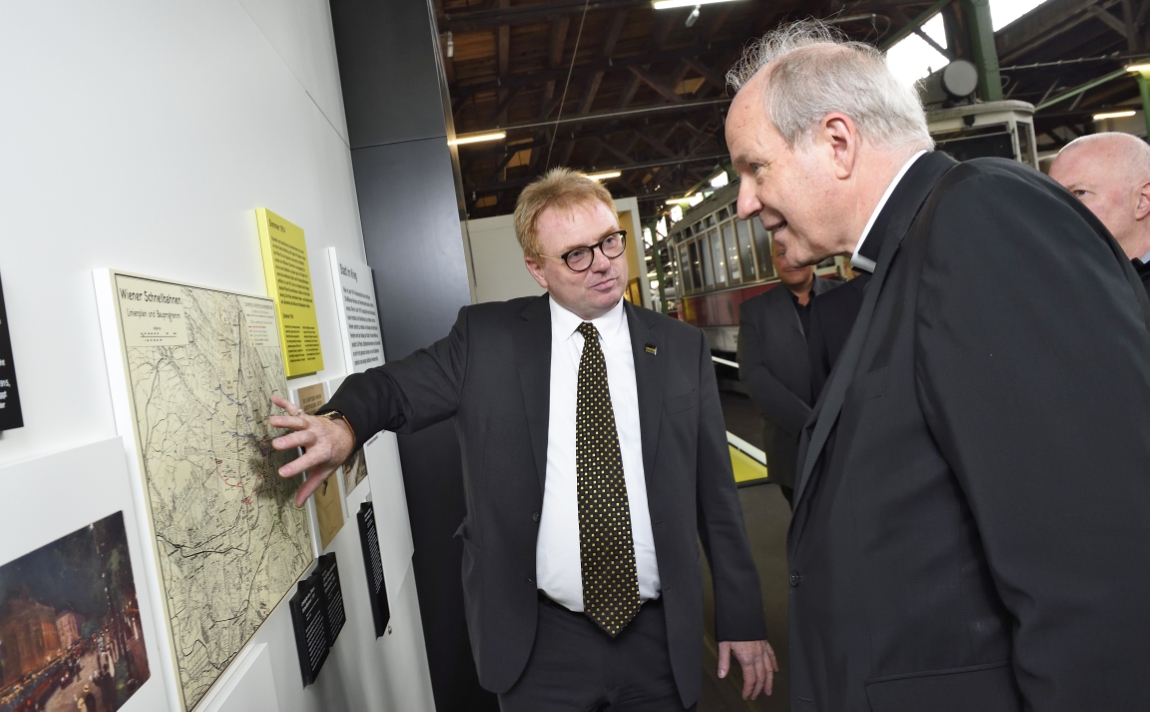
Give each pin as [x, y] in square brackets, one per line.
[746, 468]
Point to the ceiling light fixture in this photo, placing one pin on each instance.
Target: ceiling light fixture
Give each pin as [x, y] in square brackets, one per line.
[1114, 115]
[671, 4]
[693, 17]
[605, 175]
[1139, 68]
[680, 201]
[478, 138]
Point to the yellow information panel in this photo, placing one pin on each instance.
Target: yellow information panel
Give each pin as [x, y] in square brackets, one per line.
[289, 285]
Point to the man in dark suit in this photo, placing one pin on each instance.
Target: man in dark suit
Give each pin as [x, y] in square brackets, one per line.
[1110, 174]
[774, 362]
[831, 322]
[944, 555]
[594, 460]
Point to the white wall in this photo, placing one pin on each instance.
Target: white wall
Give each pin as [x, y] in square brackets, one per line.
[141, 135]
[496, 261]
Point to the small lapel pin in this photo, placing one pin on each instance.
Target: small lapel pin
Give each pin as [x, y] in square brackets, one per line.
[650, 349]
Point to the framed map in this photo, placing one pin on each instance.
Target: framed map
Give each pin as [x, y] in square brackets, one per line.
[199, 369]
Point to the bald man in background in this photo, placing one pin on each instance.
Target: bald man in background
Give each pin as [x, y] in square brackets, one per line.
[1110, 174]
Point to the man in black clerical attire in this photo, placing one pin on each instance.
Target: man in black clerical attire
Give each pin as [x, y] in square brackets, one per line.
[831, 320]
[943, 552]
[1110, 174]
[775, 365]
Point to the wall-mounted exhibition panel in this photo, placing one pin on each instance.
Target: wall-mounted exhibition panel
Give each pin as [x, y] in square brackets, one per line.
[76, 609]
[143, 136]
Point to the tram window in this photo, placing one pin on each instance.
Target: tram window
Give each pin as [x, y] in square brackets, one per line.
[705, 262]
[685, 268]
[696, 266]
[718, 259]
[732, 251]
[687, 232]
[734, 208]
[746, 255]
[763, 249]
[722, 215]
[709, 221]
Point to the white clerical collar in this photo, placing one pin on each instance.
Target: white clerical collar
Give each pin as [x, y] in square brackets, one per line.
[1146, 259]
[564, 322]
[865, 263]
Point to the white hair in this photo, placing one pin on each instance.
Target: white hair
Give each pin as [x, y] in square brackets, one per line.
[814, 71]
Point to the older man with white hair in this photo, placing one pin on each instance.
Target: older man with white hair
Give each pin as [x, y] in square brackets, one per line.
[1110, 174]
[943, 554]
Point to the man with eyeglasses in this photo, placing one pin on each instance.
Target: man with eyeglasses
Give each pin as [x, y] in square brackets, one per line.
[595, 459]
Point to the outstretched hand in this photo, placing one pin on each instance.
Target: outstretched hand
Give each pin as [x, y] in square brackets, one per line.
[326, 443]
[757, 659]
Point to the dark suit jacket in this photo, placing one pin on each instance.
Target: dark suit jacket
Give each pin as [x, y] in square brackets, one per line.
[492, 373]
[945, 554]
[775, 365]
[832, 316]
[1143, 271]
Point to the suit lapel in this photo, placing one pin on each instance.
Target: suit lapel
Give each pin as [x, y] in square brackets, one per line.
[784, 307]
[890, 228]
[533, 347]
[650, 373]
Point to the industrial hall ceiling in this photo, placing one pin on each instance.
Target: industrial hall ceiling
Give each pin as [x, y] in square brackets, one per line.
[602, 85]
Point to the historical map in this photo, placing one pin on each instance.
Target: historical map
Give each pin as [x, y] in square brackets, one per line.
[202, 367]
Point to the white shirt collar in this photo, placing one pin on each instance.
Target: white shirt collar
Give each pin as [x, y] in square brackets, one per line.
[564, 322]
[1146, 259]
[865, 263]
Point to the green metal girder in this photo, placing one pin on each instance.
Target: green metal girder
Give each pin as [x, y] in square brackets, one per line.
[981, 40]
[922, 18]
[1144, 90]
[985, 53]
[1085, 87]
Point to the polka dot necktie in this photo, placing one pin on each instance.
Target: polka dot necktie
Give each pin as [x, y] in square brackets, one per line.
[606, 550]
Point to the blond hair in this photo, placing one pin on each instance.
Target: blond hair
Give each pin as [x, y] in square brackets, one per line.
[560, 188]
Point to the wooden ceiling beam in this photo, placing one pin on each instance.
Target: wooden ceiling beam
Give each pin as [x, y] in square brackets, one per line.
[656, 144]
[704, 54]
[503, 41]
[520, 182]
[1109, 19]
[499, 116]
[628, 93]
[713, 77]
[665, 91]
[1041, 25]
[621, 155]
[559, 28]
[608, 49]
[534, 13]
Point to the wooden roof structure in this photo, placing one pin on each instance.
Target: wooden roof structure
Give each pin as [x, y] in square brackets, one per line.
[616, 84]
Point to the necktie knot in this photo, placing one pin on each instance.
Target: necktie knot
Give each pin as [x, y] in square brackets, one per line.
[588, 330]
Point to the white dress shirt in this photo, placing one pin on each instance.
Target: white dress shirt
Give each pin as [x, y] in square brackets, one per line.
[865, 263]
[557, 559]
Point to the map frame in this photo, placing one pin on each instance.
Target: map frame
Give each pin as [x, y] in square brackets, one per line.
[124, 406]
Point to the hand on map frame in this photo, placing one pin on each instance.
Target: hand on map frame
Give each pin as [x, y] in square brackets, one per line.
[326, 444]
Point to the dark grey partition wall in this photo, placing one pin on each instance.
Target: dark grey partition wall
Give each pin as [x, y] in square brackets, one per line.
[408, 202]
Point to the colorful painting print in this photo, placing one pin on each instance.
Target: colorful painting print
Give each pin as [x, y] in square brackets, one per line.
[70, 634]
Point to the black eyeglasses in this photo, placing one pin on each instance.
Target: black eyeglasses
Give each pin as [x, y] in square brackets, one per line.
[580, 258]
